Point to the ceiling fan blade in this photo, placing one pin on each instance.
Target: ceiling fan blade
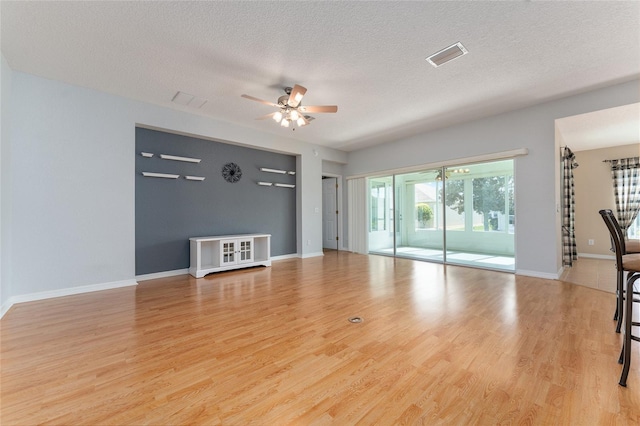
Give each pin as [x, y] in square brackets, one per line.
[264, 117]
[317, 108]
[296, 96]
[251, 98]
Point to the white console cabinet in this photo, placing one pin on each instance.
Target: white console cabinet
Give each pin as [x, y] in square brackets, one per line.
[225, 252]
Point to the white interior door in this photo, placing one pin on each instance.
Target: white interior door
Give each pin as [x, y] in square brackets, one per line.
[329, 217]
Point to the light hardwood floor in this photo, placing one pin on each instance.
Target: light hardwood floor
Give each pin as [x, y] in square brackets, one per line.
[438, 345]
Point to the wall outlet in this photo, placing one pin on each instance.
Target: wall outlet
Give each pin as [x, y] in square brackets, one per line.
[308, 242]
[591, 242]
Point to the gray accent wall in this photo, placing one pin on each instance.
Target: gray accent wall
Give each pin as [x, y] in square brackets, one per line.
[170, 211]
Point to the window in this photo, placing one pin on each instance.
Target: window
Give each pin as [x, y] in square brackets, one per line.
[457, 198]
[379, 205]
[493, 202]
[633, 231]
[426, 196]
[485, 192]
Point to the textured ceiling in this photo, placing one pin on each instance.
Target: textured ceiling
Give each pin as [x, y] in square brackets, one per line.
[366, 57]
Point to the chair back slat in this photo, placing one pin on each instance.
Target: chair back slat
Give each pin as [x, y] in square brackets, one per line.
[617, 237]
[621, 235]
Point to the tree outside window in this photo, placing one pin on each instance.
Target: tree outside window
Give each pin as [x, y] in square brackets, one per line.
[489, 197]
[424, 214]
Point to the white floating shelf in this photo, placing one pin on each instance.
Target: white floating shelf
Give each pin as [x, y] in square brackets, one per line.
[284, 185]
[265, 183]
[265, 169]
[176, 158]
[194, 177]
[146, 154]
[160, 175]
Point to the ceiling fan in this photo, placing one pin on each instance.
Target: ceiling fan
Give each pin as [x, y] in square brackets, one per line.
[290, 111]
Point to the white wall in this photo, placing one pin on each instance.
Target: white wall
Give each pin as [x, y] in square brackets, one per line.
[332, 168]
[537, 184]
[72, 171]
[5, 184]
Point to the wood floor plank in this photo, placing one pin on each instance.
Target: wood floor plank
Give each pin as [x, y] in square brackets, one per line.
[438, 345]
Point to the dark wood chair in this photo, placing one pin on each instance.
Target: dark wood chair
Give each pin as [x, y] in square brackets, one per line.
[629, 263]
[628, 247]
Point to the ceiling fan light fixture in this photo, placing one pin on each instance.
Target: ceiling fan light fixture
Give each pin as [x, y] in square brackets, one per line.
[447, 54]
[290, 112]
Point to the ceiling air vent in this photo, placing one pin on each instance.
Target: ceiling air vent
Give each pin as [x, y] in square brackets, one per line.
[447, 54]
[186, 99]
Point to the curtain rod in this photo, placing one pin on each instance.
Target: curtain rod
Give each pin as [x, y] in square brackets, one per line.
[611, 161]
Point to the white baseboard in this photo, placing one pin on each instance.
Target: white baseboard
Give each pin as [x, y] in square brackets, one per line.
[185, 271]
[286, 256]
[301, 256]
[561, 271]
[31, 297]
[596, 256]
[164, 274]
[307, 255]
[5, 307]
[537, 274]
[176, 272]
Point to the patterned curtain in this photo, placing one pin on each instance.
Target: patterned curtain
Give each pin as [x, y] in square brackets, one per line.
[627, 190]
[569, 251]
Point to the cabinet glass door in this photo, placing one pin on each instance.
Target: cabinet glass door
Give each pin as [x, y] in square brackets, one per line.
[228, 252]
[246, 251]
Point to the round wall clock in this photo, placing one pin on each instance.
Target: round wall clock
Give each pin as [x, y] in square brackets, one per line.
[231, 172]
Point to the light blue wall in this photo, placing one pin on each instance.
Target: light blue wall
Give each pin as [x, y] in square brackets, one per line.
[73, 192]
[5, 184]
[537, 180]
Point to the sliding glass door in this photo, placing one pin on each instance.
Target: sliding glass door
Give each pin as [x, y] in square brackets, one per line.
[480, 215]
[381, 214]
[460, 215]
[420, 219]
